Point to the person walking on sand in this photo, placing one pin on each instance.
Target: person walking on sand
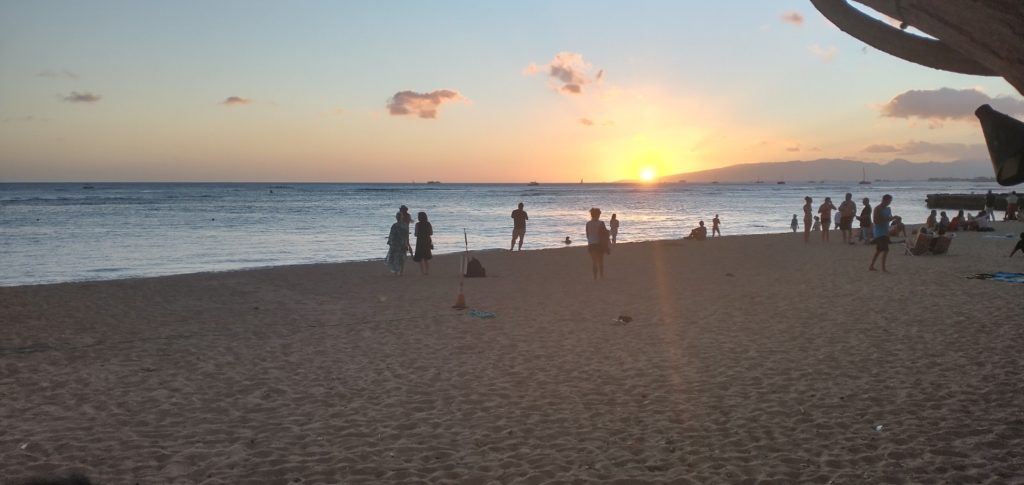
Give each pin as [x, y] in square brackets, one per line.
[1019, 246]
[424, 243]
[519, 218]
[865, 221]
[881, 217]
[807, 218]
[794, 224]
[825, 211]
[714, 226]
[597, 242]
[990, 205]
[614, 225]
[847, 209]
[398, 241]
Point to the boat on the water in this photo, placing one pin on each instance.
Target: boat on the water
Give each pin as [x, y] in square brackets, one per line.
[433, 181]
[532, 184]
[864, 178]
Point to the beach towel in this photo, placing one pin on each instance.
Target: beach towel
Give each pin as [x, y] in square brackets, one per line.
[999, 276]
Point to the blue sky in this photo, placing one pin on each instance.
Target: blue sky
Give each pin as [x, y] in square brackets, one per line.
[137, 90]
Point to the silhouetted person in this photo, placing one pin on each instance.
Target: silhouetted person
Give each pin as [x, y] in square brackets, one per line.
[808, 212]
[699, 233]
[519, 218]
[865, 221]
[990, 205]
[614, 225]
[597, 242]
[424, 242]
[794, 224]
[1019, 246]
[847, 209]
[880, 218]
[714, 226]
[825, 211]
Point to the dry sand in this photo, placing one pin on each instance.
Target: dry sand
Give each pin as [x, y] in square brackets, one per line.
[751, 359]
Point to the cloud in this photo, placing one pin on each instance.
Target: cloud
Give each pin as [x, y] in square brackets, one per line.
[235, 100]
[793, 148]
[826, 54]
[424, 105]
[881, 149]
[586, 122]
[83, 97]
[793, 18]
[570, 72]
[62, 74]
[951, 151]
[943, 104]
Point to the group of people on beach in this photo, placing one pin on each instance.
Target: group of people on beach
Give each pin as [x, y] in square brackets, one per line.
[877, 225]
[398, 242]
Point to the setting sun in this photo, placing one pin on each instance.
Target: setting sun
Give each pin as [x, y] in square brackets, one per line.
[647, 174]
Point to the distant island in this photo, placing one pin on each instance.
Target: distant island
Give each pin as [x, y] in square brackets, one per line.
[838, 170]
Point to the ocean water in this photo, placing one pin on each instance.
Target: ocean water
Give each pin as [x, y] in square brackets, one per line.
[71, 232]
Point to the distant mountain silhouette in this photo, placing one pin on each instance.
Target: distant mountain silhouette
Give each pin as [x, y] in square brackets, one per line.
[835, 170]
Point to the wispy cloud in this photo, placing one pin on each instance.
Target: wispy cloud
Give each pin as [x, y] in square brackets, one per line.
[881, 148]
[569, 71]
[826, 54]
[944, 104]
[942, 151]
[235, 101]
[586, 122]
[62, 74]
[423, 105]
[83, 97]
[793, 18]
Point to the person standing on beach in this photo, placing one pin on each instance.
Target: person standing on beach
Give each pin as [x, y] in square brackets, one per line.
[398, 242]
[424, 243]
[990, 205]
[825, 211]
[881, 217]
[519, 218]
[614, 223]
[404, 217]
[807, 218]
[714, 226]
[597, 242]
[1019, 246]
[1011, 207]
[847, 209]
[865, 222]
[794, 224]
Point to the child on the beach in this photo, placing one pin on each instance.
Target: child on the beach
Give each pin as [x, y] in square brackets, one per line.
[794, 224]
[817, 224]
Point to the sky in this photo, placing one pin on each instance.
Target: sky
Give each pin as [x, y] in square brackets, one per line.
[458, 91]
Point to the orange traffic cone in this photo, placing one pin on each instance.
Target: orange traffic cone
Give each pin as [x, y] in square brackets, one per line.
[460, 301]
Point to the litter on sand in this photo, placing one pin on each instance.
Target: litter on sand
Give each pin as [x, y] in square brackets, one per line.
[480, 314]
[622, 320]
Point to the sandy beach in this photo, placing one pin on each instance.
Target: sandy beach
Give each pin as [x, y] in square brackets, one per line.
[749, 359]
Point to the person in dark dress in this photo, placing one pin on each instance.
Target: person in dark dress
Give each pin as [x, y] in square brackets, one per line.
[424, 243]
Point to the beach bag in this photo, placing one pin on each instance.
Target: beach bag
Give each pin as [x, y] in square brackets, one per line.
[475, 270]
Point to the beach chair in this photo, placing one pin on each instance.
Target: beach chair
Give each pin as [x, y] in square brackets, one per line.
[918, 245]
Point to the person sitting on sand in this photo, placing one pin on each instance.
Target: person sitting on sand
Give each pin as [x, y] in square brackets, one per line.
[1019, 246]
[981, 223]
[930, 221]
[699, 233]
[817, 224]
[957, 223]
[897, 228]
[567, 241]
